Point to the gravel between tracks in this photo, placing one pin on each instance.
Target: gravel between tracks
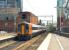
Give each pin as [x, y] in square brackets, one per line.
[32, 44]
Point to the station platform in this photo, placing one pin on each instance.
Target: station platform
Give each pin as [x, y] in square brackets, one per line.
[6, 39]
[54, 42]
[44, 45]
[6, 36]
[38, 42]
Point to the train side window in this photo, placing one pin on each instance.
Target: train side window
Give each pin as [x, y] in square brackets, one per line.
[35, 28]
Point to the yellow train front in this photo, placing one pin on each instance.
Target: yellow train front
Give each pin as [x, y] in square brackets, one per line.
[26, 31]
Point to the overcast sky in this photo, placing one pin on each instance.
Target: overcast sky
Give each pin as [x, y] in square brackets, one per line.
[41, 8]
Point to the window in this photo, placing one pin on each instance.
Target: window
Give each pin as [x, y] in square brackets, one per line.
[2, 3]
[35, 28]
[26, 27]
[65, 29]
[11, 3]
[23, 16]
[18, 3]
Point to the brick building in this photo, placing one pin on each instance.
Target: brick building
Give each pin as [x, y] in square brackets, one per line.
[8, 13]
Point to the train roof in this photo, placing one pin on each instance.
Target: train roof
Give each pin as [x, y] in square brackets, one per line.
[27, 13]
[33, 25]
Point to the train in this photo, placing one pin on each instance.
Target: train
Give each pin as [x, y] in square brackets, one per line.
[26, 31]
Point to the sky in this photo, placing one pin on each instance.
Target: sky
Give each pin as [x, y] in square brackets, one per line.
[44, 9]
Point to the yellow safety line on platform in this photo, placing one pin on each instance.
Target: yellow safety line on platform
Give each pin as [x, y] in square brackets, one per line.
[45, 43]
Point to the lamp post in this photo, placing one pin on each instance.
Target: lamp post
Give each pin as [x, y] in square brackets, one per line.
[52, 20]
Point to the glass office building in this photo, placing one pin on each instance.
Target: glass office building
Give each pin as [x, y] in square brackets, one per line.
[59, 12]
[63, 15]
[9, 3]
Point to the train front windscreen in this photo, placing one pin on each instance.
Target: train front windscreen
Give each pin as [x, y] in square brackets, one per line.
[26, 28]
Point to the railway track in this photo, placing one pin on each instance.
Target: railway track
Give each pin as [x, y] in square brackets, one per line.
[30, 42]
[35, 45]
[11, 46]
[27, 44]
[4, 44]
[22, 45]
[19, 44]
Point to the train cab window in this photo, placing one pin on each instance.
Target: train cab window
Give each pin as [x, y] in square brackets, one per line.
[23, 16]
[26, 28]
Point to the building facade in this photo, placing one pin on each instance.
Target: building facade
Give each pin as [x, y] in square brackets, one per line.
[8, 13]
